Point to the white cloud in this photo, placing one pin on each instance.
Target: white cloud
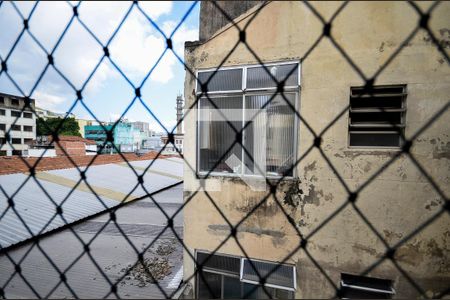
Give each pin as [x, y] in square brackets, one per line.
[136, 47]
[165, 70]
[155, 9]
[181, 35]
[114, 117]
[48, 101]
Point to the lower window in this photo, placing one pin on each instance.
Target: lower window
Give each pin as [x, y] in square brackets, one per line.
[223, 286]
[362, 287]
[17, 152]
[220, 278]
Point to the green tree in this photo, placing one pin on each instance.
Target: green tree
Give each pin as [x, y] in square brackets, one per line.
[49, 126]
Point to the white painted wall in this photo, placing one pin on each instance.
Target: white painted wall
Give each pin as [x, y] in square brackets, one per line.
[39, 153]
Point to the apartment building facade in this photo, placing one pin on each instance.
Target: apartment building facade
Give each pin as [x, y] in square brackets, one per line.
[48, 114]
[19, 122]
[82, 123]
[125, 137]
[362, 141]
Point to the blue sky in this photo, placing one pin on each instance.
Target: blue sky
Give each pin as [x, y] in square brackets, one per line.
[135, 50]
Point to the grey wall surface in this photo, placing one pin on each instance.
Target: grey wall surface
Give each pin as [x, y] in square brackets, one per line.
[212, 19]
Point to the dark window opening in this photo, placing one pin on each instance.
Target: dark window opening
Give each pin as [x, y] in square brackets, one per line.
[221, 262]
[362, 287]
[17, 152]
[3, 127]
[16, 141]
[368, 102]
[28, 128]
[2, 112]
[27, 115]
[15, 113]
[15, 102]
[377, 116]
[379, 90]
[15, 127]
[387, 118]
[374, 139]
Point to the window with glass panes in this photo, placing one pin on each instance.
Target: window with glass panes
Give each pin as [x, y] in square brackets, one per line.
[220, 278]
[248, 99]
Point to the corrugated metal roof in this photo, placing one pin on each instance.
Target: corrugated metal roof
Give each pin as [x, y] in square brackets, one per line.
[111, 182]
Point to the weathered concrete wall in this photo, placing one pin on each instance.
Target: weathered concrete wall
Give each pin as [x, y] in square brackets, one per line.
[395, 203]
[212, 19]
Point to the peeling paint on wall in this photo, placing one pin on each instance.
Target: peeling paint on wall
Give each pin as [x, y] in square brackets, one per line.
[395, 202]
[442, 151]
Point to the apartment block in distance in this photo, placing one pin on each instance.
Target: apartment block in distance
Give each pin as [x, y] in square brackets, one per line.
[366, 244]
[125, 136]
[20, 124]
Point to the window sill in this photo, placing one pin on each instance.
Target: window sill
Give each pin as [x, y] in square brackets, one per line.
[374, 148]
[216, 175]
[353, 152]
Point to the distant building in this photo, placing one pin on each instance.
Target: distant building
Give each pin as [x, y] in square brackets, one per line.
[152, 143]
[82, 123]
[66, 146]
[144, 127]
[19, 121]
[47, 114]
[126, 137]
[176, 147]
[74, 146]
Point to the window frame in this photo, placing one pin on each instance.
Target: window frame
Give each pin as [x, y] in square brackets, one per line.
[30, 114]
[391, 292]
[13, 143]
[244, 92]
[15, 127]
[238, 276]
[15, 102]
[16, 111]
[280, 287]
[17, 152]
[403, 110]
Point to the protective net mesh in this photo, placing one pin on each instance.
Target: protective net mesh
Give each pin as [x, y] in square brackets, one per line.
[352, 194]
